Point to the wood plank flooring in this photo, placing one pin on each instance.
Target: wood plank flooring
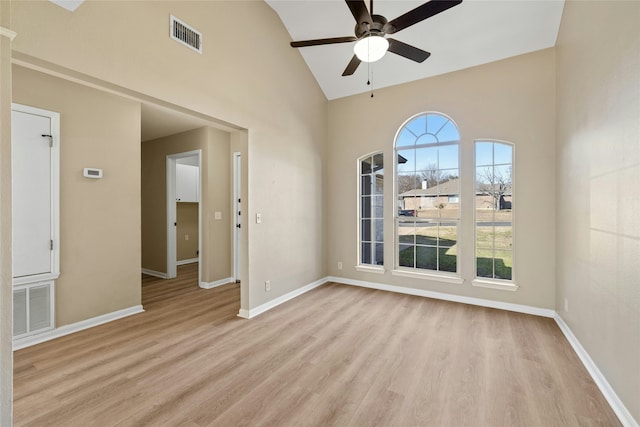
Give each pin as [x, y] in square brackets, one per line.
[338, 355]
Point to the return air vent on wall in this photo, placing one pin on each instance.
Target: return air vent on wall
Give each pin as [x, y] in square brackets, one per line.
[183, 33]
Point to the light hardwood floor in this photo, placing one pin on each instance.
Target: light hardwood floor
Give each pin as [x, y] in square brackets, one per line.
[337, 355]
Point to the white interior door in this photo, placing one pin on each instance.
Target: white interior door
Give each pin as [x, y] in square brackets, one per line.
[32, 195]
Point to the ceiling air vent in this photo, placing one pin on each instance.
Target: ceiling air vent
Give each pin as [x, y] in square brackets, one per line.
[183, 33]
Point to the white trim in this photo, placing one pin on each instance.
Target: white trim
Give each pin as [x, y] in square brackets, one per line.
[76, 327]
[215, 284]
[614, 401]
[456, 280]
[248, 314]
[237, 219]
[518, 308]
[25, 280]
[154, 273]
[5, 32]
[187, 261]
[494, 284]
[370, 269]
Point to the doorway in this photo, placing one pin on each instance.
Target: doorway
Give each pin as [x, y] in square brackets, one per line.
[184, 184]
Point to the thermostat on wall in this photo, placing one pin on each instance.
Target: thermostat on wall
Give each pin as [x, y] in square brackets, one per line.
[92, 173]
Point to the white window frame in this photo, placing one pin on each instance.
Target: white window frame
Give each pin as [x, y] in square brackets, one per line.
[486, 282]
[436, 275]
[360, 266]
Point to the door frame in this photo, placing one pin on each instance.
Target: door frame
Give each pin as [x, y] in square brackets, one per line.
[237, 194]
[171, 212]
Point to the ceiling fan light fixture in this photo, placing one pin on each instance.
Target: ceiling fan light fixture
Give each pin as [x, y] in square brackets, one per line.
[371, 48]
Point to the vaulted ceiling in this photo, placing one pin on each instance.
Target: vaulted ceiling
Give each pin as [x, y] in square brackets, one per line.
[472, 33]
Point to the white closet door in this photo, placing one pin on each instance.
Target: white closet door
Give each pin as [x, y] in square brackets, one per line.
[31, 186]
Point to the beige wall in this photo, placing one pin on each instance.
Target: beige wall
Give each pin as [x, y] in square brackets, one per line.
[6, 298]
[254, 80]
[598, 197]
[511, 100]
[99, 219]
[186, 231]
[216, 188]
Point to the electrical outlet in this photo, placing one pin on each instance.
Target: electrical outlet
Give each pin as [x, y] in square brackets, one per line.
[267, 285]
[186, 237]
[258, 218]
[566, 305]
[339, 265]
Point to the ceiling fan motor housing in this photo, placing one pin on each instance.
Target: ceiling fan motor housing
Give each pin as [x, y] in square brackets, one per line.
[379, 27]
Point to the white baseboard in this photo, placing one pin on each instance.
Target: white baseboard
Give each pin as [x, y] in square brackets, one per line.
[75, 327]
[209, 285]
[248, 314]
[616, 404]
[154, 273]
[187, 261]
[537, 311]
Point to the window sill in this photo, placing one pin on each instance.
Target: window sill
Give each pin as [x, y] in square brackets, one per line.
[495, 284]
[456, 280]
[370, 269]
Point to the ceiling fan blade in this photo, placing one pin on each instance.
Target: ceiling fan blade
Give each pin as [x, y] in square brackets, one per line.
[408, 51]
[359, 11]
[317, 42]
[353, 65]
[418, 14]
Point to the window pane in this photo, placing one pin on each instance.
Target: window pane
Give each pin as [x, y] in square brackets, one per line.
[447, 234]
[503, 234]
[366, 230]
[448, 157]
[418, 125]
[365, 185]
[365, 207]
[377, 162]
[406, 232]
[377, 207]
[409, 159]
[365, 253]
[405, 138]
[405, 256]
[448, 133]
[435, 123]
[503, 262]
[448, 260]
[378, 184]
[378, 254]
[484, 153]
[502, 154]
[378, 230]
[427, 158]
[484, 263]
[484, 234]
[427, 233]
[365, 166]
[427, 257]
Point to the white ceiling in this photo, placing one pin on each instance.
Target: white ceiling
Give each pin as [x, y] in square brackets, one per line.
[472, 33]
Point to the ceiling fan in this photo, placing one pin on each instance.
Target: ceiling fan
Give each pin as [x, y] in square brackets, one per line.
[371, 29]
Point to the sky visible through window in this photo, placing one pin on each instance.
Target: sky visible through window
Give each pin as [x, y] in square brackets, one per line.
[416, 136]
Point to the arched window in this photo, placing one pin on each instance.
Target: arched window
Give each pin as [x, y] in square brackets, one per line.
[494, 210]
[371, 210]
[428, 194]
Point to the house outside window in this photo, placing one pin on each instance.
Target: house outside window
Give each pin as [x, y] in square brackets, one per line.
[427, 188]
